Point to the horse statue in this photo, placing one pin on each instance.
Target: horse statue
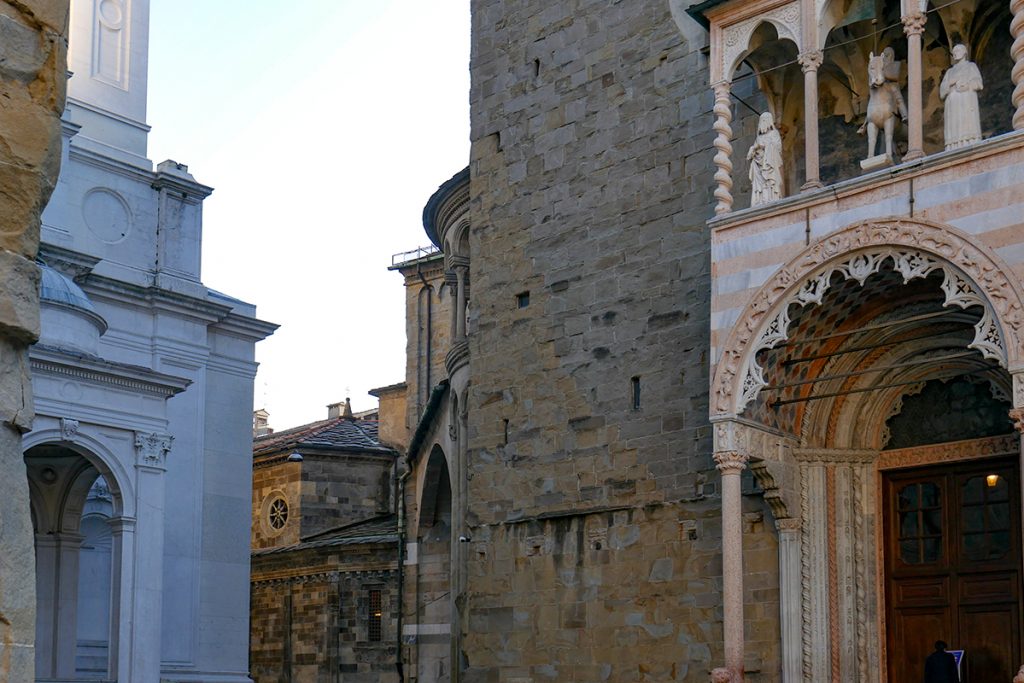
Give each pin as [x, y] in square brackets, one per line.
[885, 102]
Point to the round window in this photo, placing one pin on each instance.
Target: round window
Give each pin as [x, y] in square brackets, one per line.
[277, 513]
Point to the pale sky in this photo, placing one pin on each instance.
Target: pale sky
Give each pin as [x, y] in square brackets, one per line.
[324, 126]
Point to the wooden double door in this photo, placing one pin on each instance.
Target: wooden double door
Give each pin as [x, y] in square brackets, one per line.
[953, 568]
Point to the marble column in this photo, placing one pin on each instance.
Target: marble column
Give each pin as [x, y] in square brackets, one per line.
[790, 599]
[150, 468]
[723, 145]
[913, 26]
[810, 62]
[1017, 53]
[731, 465]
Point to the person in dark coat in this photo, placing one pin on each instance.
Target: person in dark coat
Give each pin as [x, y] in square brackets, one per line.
[940, 666]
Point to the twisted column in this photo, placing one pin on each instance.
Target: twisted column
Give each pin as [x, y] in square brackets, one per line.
[809, 63]
[1017, 52]
[731, 465]
[913, 26]
[722, 143]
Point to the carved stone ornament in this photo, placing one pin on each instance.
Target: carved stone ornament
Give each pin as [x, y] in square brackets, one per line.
[956, 451]
[1017, 415]
[723, 675]
[1019, 678]
[913, 24]
[68, 429]
[1017, 54]
[730, 462]
[736, 37]
[811, 60]
[152, 448]
[973, 276]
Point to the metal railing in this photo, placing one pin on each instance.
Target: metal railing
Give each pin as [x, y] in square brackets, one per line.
[414, 255]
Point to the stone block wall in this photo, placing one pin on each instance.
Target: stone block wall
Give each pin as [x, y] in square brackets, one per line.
[595, 511]
[428, 331]
[270, 479]
[309, 615]
[33, 75]
[343, 488]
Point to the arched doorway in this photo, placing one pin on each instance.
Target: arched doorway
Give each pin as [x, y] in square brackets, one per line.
[869, 386]
[76, 507]
[434, 601]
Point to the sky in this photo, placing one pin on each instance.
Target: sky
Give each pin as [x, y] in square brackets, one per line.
[324, 126]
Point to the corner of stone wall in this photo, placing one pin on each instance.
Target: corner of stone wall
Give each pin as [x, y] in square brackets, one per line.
[33, 78]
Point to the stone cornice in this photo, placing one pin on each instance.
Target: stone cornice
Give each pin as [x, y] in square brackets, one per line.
[55, 362]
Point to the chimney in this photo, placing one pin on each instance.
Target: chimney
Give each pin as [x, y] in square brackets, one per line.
[261, 423]
[340, 409]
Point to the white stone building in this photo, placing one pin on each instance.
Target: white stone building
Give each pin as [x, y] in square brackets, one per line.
[139, 460]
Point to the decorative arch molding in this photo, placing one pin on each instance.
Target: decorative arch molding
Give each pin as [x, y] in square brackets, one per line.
[106, 462]
[974, 275]
[786, 20]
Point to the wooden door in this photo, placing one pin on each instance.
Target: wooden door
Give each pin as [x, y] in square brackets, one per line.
[953, 568]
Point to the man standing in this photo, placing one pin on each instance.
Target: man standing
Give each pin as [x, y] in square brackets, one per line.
[940, 666]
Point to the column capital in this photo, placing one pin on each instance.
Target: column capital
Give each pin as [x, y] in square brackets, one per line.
[913, 24]
[788, 524]
[152, 449]
[810, 60]
[731, 462]
[1017, 415]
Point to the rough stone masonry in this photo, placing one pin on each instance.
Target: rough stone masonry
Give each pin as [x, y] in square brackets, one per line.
[593, 496]
[33, 75]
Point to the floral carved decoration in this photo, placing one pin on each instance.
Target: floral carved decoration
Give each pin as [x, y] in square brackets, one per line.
[973, 276]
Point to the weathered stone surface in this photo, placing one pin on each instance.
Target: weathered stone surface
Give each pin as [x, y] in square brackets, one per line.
[17, 560]
[591, 154]
[33, 74]
[19, 298]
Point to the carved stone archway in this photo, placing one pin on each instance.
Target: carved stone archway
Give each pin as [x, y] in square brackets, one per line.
[800, 477]
[975, 275]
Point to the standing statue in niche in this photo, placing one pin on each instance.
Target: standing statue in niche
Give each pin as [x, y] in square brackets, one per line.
[959, 90]
[765, 157]
[884, 104]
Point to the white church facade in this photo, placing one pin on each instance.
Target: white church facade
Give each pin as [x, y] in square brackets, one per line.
[139, 460]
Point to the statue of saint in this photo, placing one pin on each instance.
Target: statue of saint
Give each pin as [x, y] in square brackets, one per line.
[959, 90]
[765, 157]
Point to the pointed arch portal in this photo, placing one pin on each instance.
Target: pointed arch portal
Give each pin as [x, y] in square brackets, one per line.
[870, 386]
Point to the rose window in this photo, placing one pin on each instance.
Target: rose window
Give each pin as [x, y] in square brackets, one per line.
[277, 514]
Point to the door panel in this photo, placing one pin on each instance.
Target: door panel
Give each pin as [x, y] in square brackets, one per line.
[953, 568]
[988, 642]
[914, 629]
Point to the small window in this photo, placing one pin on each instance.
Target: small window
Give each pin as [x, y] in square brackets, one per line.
[374, 626]
[635, 388]
[277, 515]
[523, 299]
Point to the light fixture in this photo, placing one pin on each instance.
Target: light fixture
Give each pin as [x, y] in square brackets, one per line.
[297, 457]
[992, 480]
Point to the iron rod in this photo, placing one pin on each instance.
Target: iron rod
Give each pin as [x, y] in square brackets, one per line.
[776, 404]
[866, 347]
[880, 368]
[866, 328]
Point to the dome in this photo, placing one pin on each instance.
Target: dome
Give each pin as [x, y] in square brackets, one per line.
[55, 288]
[68, 319]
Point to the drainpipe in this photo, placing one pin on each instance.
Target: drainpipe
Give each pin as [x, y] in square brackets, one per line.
[400, 504]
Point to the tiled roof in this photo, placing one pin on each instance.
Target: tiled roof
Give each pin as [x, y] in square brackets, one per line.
[339, 433]
[376, 530]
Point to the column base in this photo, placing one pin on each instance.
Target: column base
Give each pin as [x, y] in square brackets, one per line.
[811, 185]
[913, 155]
